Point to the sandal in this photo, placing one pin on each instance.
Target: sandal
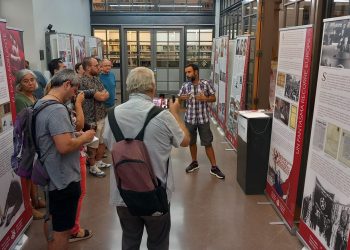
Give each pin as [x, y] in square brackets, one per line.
[76, 237]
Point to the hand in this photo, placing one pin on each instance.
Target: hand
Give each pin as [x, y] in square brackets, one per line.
[174, 107]
[80, 98]
[88, 135]
[184, 97]
[201, 97]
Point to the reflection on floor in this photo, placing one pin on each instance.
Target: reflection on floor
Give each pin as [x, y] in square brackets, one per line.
[207, 213]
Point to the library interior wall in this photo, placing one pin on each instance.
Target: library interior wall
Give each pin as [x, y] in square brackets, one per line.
[33, 16]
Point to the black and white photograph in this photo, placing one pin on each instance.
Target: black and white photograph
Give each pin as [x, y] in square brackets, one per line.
[292, 87]
[344, 151]
[332, 140]
[281, 111]
[336, 44]
[319, 134]
[326, 216]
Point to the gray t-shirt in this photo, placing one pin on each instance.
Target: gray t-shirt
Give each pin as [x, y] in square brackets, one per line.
[62, 169]
[161, 134]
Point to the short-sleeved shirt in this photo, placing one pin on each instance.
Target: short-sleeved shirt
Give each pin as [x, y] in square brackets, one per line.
[161, 134]
[197, 112]
[62, 168]
[93, 110]
[22, 101]
[108, 81]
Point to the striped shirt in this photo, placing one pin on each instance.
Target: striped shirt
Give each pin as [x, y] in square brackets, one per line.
[197, 112]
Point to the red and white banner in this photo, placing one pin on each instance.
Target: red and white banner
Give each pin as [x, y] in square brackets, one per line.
[223, 79]
[325, 219]
[291, 95]
[15, 209]
[238, 86]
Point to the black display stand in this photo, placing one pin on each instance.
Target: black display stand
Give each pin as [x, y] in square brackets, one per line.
[253, 153]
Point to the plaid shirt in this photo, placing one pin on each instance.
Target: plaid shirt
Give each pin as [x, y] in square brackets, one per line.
[197, 112]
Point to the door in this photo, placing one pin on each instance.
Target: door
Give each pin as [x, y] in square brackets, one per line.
[161, 50]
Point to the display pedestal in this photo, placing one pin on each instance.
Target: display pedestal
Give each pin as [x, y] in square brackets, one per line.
[254, 134]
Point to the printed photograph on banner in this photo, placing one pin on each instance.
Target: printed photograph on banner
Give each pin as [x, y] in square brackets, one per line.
[241, 47]
[278, 173]
[332, 140]
[319, 135]
[336, 44]
[326, 215]
[282, 109]
[344, 151]
[11, 201]
[79, 48]
[16, 50]
[293, 117]
[281, 79]
[5, 117]
[292, 87]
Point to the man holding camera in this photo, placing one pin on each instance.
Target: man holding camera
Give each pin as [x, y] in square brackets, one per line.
[94, 112]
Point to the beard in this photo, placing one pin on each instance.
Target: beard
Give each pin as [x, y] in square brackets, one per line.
[192, 78]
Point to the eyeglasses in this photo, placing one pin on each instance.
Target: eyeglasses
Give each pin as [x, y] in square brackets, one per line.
[27, 81]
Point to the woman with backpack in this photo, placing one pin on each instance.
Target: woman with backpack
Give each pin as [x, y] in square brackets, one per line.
[26, 85]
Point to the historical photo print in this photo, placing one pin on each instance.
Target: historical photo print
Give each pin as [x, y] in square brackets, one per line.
[336, 44]
[319, 134]
[344, 151]
[281, 111]
[326, 216]
[332, 140]
[292, 87]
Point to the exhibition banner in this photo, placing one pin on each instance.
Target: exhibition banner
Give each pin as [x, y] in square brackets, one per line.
[216, 76]
[79, 52]
[91, 46]
[325, 219]
[15, 210]
[291, 98]
[238, 86]
[64, 49]
[223, 78]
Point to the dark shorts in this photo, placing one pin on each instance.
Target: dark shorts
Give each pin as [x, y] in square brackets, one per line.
[204, 131]
[63, 206]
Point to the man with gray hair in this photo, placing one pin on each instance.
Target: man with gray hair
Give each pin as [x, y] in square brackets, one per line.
[162, 133]
[59, 147]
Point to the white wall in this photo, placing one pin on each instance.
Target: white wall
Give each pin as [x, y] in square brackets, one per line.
[33, 16]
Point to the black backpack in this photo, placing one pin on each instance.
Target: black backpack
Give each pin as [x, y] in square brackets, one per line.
[141, 190]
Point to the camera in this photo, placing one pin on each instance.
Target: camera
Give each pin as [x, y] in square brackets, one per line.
[88, 93]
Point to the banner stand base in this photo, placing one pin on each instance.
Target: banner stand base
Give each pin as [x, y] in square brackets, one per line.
[213, 120]
[23, 239]
[293, 229]
[221, 131]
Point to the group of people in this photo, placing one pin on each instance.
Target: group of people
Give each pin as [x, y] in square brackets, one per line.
[79, 119]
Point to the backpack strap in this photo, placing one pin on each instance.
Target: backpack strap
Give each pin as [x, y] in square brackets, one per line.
[36, 111]
[151, 114]
[118, 135]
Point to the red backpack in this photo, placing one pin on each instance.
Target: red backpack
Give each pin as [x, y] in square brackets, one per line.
[141, 190]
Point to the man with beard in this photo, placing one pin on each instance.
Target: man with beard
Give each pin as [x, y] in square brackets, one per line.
[94, 112]
[197, 93]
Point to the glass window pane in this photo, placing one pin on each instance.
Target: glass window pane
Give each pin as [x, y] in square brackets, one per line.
[100, 34]
[174, 36]
[131, 36]
[206, 35]
[192, 35]
[304, 13]
[290, 15]
[113, 35]
[98, 5]
[246, 9]
[340, 9]
[253, 21]
[245, 25]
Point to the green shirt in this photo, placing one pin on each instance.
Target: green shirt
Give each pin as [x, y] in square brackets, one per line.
[22, 101]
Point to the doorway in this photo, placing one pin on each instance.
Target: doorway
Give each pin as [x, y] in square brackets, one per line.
[159, 49]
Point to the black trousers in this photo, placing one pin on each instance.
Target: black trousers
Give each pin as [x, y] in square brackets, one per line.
[157, 227]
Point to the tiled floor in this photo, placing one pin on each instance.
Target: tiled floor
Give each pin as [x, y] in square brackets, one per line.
[206, 213]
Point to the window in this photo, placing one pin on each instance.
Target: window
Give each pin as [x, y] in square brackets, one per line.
[111, 44]
[250, 12]
[199, 47]
[153, 5]
[231, 23]
[297, 12]
[340, 8]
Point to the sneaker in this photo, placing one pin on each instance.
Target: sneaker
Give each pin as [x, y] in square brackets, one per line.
[217, 172]
[192, 167]
[95, 171]
[101, 164]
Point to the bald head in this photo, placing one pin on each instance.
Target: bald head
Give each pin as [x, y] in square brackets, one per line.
[106, 66]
